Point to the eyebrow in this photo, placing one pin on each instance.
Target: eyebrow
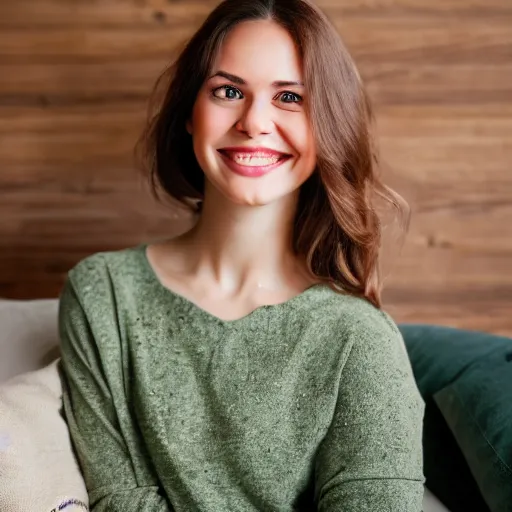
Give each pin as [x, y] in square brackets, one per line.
[240, 81]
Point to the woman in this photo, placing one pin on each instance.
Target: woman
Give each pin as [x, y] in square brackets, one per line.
[247, 365]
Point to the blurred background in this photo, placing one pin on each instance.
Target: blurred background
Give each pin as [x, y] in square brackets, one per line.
[75, 76]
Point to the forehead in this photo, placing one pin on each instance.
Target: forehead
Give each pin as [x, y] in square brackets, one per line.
[259, 52]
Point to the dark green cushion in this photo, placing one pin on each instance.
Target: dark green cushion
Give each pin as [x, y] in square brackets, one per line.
[465, 378]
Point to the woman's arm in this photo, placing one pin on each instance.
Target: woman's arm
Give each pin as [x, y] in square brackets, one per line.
[109, 469]
[371, 458]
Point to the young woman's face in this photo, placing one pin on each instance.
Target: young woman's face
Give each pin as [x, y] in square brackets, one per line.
[250, 132]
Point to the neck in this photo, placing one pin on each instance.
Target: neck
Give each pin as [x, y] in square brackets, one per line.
[243, 247]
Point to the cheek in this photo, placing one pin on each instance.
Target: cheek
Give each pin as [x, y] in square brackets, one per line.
[210, 121]
[303, 140]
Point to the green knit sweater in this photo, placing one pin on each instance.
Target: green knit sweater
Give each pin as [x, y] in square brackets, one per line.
[301, 406]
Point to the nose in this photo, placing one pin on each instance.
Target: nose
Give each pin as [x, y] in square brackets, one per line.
[255, 119]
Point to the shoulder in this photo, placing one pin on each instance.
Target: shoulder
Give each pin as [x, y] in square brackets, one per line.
[101, 282]
[370, 334]
[93, 294]
[373, 361]
[350, 315]
[98, 269]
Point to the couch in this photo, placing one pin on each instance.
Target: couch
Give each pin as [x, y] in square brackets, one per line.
[28, 343]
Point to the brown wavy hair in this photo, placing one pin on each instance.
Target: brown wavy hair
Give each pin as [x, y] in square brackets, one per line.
[336, 227]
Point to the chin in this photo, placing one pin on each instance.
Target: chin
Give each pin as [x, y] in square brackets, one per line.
[245, 199]
[249, 194]
[252, 191]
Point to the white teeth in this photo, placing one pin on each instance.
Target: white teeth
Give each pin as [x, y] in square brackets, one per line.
[254, 161]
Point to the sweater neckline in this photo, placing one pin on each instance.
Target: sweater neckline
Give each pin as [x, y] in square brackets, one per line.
[191, 305]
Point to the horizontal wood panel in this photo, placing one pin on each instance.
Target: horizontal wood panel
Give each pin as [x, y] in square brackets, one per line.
[486, 315]
[51, 13]
[392, 39]
[34, 13]
[456, 265]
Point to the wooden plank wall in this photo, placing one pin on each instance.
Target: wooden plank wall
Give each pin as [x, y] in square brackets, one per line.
[74, 79]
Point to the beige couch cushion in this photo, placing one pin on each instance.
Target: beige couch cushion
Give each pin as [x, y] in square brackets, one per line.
[38, 470]
[28, 335]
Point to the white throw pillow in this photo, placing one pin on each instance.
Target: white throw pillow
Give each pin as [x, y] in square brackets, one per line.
[28, 335]
[38, 469]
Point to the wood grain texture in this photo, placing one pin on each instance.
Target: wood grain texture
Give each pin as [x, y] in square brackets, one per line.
[74, 82]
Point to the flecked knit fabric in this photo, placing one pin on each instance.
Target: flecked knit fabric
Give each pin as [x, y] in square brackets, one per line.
[306, 405]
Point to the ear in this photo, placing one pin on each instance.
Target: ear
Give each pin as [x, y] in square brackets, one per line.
[188, 126]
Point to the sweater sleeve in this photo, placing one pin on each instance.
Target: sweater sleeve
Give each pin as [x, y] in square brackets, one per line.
[371, 458]
[89, 411]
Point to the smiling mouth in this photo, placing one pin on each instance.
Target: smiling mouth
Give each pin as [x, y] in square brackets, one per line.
[253, 163]
[254, 158]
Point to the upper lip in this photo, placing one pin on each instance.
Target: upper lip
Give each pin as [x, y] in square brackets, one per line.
[246, 149]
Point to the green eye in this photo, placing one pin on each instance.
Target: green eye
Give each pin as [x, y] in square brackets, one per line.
[227, 92]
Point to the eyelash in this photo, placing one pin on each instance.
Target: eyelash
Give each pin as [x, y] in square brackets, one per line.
[230, 87]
